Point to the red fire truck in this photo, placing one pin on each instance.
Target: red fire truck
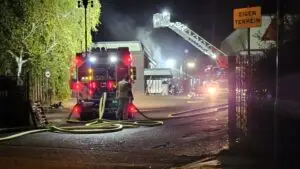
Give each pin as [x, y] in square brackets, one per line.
[96, 73]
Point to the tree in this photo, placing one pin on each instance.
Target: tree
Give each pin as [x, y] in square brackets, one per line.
[288, 62]
[45, 34]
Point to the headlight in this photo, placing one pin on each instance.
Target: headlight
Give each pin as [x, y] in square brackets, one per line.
[212, 90]
[113, 59]
[92, 59]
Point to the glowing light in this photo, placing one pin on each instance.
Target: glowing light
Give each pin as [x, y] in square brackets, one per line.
[77, 86]
[131, 108]
[94, 85]
[127, 60]
[109, 84]
[214, 56]
[186, 51]
[212, 90]
[90, 70]
[171, 63]
[92, 59]
[76, 110]
[165, 13]
[191, 64]
[113, 59]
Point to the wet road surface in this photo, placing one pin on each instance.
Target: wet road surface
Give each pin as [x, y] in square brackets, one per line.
[177, 142]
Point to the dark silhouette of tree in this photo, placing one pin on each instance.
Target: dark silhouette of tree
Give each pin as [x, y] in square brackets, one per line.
[289, 65]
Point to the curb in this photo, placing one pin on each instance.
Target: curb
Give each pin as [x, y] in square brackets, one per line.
[199, 164]
[221, 107]
[15, 129]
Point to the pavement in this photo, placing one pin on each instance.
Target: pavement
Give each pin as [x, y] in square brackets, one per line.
[154, 106]
[176, 143]
[226, 159]
[145, 102]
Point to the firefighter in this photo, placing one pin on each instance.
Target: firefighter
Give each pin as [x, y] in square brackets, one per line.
[124, 96]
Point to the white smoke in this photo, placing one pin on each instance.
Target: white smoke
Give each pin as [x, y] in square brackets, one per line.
[123, 27]
[154, 49]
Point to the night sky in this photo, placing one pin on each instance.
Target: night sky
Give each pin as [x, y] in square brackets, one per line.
[211, 19]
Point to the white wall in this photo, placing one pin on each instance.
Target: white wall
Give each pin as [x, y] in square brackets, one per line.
[238, 40]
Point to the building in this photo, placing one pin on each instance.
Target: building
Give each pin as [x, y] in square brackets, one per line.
[237, 44]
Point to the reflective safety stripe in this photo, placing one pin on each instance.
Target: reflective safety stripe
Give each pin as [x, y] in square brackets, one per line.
[123, 89]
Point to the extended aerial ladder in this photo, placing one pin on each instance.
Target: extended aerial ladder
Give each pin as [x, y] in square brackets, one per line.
[161, 20]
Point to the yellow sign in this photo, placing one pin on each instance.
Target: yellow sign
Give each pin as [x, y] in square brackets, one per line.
[247, 17]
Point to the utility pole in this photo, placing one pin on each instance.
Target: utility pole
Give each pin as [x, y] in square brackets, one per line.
[213, 6]
[279, 40]
[186, 51]
[85, 4]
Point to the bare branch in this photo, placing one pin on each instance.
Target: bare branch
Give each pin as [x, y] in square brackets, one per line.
[18, 59]
[33, 28]
[51, 47]
[12, 53]
[24, 61]
[21, 52]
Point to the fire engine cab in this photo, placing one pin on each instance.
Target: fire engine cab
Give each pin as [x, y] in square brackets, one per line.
[96, 74]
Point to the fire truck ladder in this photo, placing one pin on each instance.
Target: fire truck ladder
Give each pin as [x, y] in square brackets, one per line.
[161, 20]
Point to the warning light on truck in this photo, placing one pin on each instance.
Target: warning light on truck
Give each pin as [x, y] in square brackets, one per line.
[109, 85]
[133, 73]
[79, 59]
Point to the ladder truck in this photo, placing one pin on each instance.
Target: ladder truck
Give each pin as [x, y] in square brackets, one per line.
[96, 74]
[163, 20]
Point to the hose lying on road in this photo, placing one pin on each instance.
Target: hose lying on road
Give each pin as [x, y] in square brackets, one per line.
[105, 126]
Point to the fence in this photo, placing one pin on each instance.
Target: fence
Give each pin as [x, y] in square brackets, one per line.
[14, 101]
[40, 89]
[240, 97]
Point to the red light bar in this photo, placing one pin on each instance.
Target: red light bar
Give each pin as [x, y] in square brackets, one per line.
[109, 84]
[77, 86]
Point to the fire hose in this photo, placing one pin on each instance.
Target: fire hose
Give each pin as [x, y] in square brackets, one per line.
[100, 125]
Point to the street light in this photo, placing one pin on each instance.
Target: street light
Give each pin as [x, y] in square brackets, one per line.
[214, 56]
[165, 13]
[85, 5]
[191, 64]
[171, 63]
[186, 51]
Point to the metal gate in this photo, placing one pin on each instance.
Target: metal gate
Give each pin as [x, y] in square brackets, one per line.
[14, 102]
[240, 71]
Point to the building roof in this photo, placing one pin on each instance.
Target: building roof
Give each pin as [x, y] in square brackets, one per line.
[134, 46]
[165, 72]
[237, 40]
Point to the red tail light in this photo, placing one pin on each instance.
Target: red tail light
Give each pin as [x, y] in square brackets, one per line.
[79, 60]
[90, 92]
[77, 86]
[94, 85]
[131, 108]
[109, 85]
[76, 110]
[127, 60]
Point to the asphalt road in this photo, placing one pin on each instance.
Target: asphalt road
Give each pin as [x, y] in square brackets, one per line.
[177, 142]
